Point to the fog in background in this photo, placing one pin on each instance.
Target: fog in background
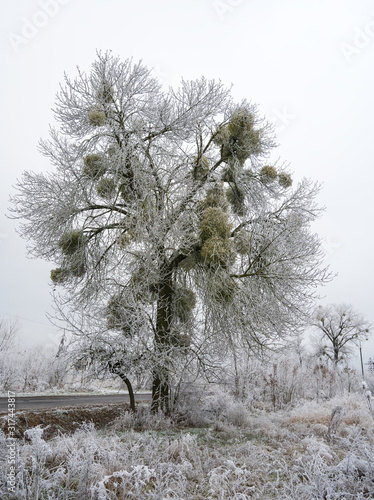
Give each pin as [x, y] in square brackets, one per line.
[308, 65]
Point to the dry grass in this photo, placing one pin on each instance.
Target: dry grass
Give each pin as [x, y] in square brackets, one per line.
[240, 454]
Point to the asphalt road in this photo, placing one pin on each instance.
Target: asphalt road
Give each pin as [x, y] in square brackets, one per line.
[38, 402]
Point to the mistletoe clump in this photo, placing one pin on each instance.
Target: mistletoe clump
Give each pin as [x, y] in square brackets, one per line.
[239, 139]
[121, 314]
[268, 174]
[106, 188]
[215, 223]
[215, 197]
[96, 116]
[94, 165]
[59, 275]
[215, 230]
[216, 250]
[222, 136]
[285, 180]
[71, 242]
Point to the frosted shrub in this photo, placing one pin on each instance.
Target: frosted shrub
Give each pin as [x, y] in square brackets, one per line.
[237, 415]
[285, 380]
[222, 406]
[342, 415]
[36, 369]
[142, 420]
[9, 371]
[230, 481]
[189, 410]
[318, 474]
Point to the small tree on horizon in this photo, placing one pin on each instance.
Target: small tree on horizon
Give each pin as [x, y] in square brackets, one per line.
[339, 328]
[177, 241]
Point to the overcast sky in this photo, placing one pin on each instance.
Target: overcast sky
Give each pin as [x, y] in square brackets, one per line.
[308, 65]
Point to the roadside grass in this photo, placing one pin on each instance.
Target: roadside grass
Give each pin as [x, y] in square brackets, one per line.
[237, 454]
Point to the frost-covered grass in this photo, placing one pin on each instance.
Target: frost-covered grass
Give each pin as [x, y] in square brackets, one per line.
[312, 451]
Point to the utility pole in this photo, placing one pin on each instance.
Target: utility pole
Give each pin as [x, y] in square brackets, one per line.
[362, 363]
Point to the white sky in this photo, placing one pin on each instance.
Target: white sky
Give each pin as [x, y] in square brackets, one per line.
[308, 65]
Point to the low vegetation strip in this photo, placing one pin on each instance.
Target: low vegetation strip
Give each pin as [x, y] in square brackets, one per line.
[218, 450]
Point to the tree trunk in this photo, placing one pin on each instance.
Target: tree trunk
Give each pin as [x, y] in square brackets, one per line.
[115, 368]
[160, 391]
[161, 377]
[131, 393]
[336, 355]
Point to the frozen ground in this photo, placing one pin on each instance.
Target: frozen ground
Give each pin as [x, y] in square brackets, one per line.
[219, 449]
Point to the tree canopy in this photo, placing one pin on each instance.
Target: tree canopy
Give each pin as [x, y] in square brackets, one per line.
[174, 237]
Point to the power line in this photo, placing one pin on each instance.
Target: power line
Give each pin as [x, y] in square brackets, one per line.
[27, 319]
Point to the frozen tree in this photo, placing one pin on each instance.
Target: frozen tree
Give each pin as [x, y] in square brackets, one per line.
[8, 334]
[339, 329]
[175, 237]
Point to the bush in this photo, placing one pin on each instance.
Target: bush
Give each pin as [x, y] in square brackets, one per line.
[142, 420]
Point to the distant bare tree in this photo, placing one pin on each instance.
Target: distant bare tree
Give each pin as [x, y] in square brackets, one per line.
[339, 328]
[8, 334]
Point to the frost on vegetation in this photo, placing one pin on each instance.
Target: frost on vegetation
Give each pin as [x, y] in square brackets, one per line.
[245, 454]
[142, 420]
[176, 184]
[37, 369]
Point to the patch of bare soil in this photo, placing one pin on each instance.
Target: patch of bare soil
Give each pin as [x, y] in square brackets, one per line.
[64, 420]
